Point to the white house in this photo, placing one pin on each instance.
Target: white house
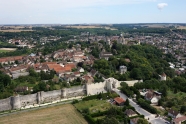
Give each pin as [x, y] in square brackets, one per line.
[123, 69]
[163, 77]
[153, 96]
[174, 114]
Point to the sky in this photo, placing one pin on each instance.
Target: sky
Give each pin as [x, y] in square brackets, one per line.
[92, 11]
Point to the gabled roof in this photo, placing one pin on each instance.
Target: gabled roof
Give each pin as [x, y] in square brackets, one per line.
[129, 112]
[71, 65]
[163, 75]
[149, 94]
[119, 100]
[173, 112]
[134, 120]
[19, 68]
[180, 119]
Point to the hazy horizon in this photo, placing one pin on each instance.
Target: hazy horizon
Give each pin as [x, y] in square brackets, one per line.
[91, 11]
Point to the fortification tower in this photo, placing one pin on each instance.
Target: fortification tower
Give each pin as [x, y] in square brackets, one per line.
[163, 77]
[38, 98]
[15, 102]
[109, 84]
[64, 93]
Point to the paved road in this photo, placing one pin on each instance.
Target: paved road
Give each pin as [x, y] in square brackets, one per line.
[136, 106]
[140, 110]
[158, 121]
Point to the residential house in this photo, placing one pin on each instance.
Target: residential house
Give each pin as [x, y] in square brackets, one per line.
[7, 60]
[134, 121]
[69, 77]
[105, 55]
[153, 96]
[174, 114]
[87, 79]
[81, 70]
[77, 74]
[130, 113]
[119, 101]
[88, 63]
[21, 89]
[179, 120]
[18, 69]
[93, 72]
[123, 69]
[38, 67]
[163, 77]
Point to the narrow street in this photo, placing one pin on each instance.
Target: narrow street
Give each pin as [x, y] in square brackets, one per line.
[149, 116]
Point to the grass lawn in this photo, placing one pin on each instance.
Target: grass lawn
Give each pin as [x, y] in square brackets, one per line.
[160, 111]
[93, 105]
[27, 84]
[60, 114]
[3, 51]
[178, 98]
[100, 117]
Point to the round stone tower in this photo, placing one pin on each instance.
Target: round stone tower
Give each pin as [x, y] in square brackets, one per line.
[64, 93]
[38, 98]
[15, 102]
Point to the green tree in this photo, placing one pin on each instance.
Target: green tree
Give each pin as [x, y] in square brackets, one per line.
[109, 120]
[183, 109]
[127, 102]
[142, 121]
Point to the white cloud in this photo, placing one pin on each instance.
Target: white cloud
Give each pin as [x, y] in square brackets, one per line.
[162, 5]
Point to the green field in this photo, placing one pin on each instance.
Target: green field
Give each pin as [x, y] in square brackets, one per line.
[93, 105]
[178, 99]
[4, 51]
[60, 114]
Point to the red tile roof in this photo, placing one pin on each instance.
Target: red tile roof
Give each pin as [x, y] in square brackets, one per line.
[71, 65]
[180, 119]
[119, 100]
[13, 58]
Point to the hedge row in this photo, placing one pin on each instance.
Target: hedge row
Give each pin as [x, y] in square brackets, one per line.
[97, 114]
[90, 119]
[103, 96]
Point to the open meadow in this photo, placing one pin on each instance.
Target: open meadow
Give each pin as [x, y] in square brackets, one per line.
[93, 106]
[60, 114]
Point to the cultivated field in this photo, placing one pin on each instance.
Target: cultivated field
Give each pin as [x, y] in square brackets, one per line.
[61, 114]
[14, 30]
[181, 27]
[7, 49]
[91, 26]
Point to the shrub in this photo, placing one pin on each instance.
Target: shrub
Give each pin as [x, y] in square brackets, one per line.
[90, 119]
